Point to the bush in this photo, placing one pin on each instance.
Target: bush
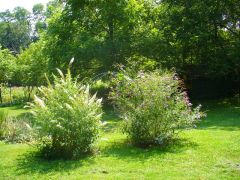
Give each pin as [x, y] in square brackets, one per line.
[154, 106]
[18, 130]
[68, 118]
[15, 130]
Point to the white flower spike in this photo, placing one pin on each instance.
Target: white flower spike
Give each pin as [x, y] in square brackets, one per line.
[71, 62]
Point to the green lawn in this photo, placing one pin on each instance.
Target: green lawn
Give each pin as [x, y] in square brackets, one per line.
[14, 110]
[212, 151]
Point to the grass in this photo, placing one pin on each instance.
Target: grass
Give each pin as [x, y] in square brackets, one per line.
[212, 151]
[15, 110]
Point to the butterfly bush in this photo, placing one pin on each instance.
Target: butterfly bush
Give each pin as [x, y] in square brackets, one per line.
[68, 118]
[154, 106]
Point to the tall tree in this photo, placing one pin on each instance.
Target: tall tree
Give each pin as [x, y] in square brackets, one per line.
[38, 20]
[32, 65]
[201, 36]
[7, 68]
[15, 29]
[97, 33]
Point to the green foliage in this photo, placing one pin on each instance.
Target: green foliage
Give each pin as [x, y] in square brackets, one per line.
[153, 105]
[18, 130]
[68, 118]
[102, 88]
[173, 33]
[15, 29]
[138, 63]
[7, 69]
[32, 65]
[3, 118]
[19, 27]
[39, 20]
[98, 34]
[101, 34]
[7, 65]
[16, 95]
[199, 38]
[38, 9]
[20, 95]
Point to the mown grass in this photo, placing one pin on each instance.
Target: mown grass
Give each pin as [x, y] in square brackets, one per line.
[15, 110]
[211, 151]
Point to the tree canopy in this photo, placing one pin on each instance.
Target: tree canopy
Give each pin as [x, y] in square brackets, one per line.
[198, 38]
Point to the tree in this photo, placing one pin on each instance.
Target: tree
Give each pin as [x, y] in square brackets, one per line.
[7, 68]
[201, 37]
[32, 65]
[97, 33]
[15, 29]
[39, 20]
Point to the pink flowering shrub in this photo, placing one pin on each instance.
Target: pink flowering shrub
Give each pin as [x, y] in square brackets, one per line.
[153, 105]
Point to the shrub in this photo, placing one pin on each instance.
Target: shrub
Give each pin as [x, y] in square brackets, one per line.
[153, 105]
[68, 118]
[18, 130]
[15, 130]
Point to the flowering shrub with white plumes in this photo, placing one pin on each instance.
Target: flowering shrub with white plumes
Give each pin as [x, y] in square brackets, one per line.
[68, 118]
[153, 105]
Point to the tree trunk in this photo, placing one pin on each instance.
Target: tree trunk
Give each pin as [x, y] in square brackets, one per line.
[111, 40]
[30, 88]
[10, 93]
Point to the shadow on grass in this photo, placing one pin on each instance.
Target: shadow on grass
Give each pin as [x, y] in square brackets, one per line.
[29, 163]
[25, 115]
[110, 115]
[222, 118]
[219, 118]
[112, 120]
[124, 150]
[13, 106]
[17, 107]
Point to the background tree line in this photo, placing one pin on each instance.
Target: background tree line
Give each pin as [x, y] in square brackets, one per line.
[199, 38]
